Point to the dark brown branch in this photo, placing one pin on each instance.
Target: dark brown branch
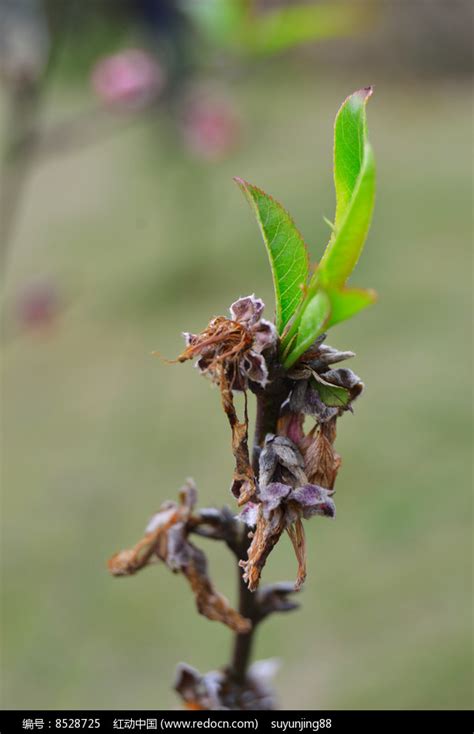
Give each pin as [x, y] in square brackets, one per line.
[216, 524]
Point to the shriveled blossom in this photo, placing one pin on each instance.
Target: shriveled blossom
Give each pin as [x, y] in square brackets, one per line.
[216, 691]
[284, 498]
[167, 539]
[232, 352]
[320, 391]
[234, 346]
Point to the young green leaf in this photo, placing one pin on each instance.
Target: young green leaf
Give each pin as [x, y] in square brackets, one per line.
[286, 251]
[354, 178]
[244, 29]
[312, 324]
[347, 302]
[276, 30]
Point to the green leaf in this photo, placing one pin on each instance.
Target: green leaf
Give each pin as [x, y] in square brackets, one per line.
[286, 250]
[276, 30]
[354, 178]
[240, 26]
[332, 395]
[347, 302]
[312, 324]
[218, 19]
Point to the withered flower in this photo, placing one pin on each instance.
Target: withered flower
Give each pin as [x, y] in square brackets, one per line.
[230, 352]
[320, 391]
[284, 498]
[217, 691]
[235, 345]
[324, 394]
[167, 539]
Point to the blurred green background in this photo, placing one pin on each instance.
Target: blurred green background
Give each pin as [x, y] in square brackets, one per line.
[139, 240]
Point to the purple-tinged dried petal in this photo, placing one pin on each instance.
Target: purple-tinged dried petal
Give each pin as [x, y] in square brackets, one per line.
[306, 399]
[300, 372]
[291, 424]
[161, 518]
[329, 355]
[265, 669]
[249, 514]
[177, 551]
[267, 461]
[199, 691]
[280, 461]
[213, 682]
[261, 674]
[287, 452]
[296, 401]
[247, 310]
[314, 500]
[187, 681]
[272, 495]
[254, 367]
[265, 335]
[345, 378]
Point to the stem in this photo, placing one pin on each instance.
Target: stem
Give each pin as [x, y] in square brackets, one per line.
[23, 132]
[242, 649]
[268, 409]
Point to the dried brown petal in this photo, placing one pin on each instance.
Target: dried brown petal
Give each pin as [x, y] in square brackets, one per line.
[234, 344]
[321, 461]
[297, 537]
[167, 539]
[128, 562]
[266, 536]
[210, 602]
[223, 342]
[244, 485]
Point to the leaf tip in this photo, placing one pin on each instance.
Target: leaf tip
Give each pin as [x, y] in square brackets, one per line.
[365, 92]
[359, 97]
[242, 183]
